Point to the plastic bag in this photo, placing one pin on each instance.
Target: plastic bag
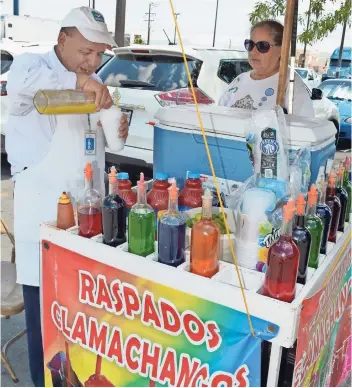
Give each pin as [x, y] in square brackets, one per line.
[300, 172]
[255, 231]
[267, 140]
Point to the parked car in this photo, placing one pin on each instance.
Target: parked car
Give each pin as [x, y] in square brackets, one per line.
[148, 77]
[8, 51]
[309, 76]
[339, 91]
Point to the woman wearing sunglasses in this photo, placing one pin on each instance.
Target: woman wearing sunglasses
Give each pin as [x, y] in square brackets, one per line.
[257, 89]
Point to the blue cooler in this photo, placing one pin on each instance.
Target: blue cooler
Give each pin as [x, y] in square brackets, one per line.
[179, 145]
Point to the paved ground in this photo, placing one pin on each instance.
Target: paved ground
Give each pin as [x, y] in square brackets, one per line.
[18, 355]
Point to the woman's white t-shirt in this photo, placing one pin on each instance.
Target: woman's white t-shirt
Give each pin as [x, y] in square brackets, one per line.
[247, 93]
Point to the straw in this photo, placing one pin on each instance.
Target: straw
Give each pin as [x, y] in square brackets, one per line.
[116, 98]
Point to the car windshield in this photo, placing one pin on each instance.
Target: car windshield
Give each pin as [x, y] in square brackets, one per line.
[6, 61]
[302, 73]
[149, 72]
[337, 90]
[344, 62]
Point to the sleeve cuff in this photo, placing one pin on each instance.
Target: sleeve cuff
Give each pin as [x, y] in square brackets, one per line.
[69, 81]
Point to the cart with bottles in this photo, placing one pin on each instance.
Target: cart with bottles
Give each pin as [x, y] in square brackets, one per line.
[118, 315]
[111, 317]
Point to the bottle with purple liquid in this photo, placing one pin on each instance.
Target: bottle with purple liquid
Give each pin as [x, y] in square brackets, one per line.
[172, 232]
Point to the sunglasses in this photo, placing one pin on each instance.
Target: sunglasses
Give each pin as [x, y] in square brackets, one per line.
[262, 46]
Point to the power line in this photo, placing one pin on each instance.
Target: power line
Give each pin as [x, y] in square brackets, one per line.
[149, 13]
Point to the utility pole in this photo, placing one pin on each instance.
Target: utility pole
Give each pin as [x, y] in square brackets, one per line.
[176, 14]
[149, 20]
[93, 4]
[216, 20]
[341, 47]
[16, 7]
[120, 22]
[307, 28]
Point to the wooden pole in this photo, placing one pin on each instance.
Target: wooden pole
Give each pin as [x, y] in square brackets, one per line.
[285, 52]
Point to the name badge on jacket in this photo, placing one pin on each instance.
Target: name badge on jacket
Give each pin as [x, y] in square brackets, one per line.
[90, 143]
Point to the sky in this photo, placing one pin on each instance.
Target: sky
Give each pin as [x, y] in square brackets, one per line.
[196, 19]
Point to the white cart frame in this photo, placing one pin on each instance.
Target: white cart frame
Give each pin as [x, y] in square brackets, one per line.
[285, 315]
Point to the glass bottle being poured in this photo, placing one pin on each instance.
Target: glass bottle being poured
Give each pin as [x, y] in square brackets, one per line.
[141, 224]
[315, 226]
[89, 207]
[342, 195]
[172, 232]
[334, 204]
[114, 214]
[324, 213]
[205, 241]
[283, 261]
[302, 239]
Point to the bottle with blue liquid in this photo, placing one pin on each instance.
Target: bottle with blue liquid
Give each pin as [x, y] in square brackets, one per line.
[324, 213]
[114, 214]
[172, 232]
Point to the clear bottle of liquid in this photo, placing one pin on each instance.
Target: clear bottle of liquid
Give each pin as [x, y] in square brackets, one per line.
[324, 213]
[141, 224]
[302, 239]
[342, 195]
[172, 232]
[67, 102]
[348, 186]
[114, 214]
[283, 261]
[191, 194]
[205, 241]
[89, 207]
[315, 226]
[335, 205]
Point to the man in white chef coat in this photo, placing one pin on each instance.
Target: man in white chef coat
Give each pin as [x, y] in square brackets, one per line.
[35, 148]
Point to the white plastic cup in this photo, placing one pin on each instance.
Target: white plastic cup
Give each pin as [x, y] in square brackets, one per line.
[110, 120]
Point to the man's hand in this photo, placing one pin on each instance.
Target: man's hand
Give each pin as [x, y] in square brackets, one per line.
[103, 99]
[122, 131]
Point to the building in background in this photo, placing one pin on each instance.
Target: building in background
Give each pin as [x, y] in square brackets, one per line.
[319, 61]
[28, 28]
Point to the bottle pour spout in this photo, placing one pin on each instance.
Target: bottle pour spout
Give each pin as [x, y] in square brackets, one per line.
[312, 195]
[300, 204]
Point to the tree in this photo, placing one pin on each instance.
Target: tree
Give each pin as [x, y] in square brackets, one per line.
[138, 40]
[319, 23]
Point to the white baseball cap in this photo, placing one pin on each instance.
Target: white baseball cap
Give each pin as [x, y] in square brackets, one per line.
[90, 23]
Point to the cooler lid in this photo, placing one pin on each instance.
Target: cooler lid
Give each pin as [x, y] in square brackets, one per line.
[226, 121]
